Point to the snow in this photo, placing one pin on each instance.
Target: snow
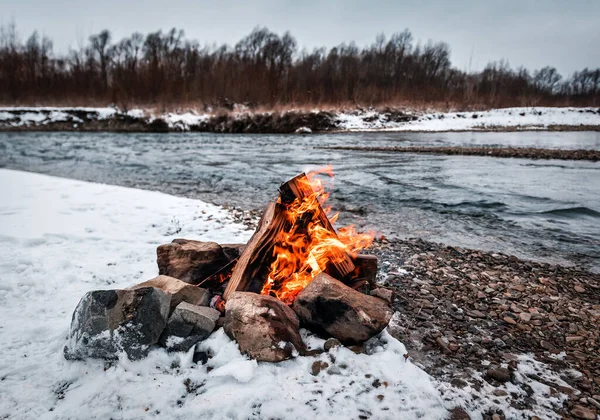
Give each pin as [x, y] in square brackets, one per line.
[19, 116]
[523, 118]
[61, 238]
[185, 120]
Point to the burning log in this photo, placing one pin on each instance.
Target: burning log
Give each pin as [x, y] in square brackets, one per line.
[294, 242]
[258, 252]
[299, 188]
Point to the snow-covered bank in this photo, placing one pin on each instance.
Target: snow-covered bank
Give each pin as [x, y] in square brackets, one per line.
[61, 238]
[535, 118]
[245, 121]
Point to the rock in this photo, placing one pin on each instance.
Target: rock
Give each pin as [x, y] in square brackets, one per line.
[583, 413]
[233, 251]
[187, 325]
[328, 305]
[509, 320]
[499, 374]
[525, 316]
[264, 328]
[546, 345]
[318, 366]
[180, 291]
[459, 413]
[385, 294]
[574, 338]
[190, 261]
[476, 314]
[453, 346]
[579, 289]
[458, 383]
[499, 392]
[303, 130]
[331, 343]
[498, 342]
[106, 322]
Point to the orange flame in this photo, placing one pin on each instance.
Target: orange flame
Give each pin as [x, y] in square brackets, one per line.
[306, 249]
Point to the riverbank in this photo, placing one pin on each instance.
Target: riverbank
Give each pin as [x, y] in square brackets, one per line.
[297, 121]
[497, 327]
[502, 152]
[495, 334]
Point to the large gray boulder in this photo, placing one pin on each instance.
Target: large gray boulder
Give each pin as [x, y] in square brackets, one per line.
[180, 291]
[107, 322]
[264, 328]
[330, 306]
[187, 325]
[190, 261]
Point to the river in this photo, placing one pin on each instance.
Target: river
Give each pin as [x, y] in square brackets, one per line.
[542, 210]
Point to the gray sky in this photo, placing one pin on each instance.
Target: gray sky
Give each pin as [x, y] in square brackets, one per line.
[532, 33]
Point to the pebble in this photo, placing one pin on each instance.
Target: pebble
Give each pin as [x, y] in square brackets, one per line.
[498, 342]
[477, 314]
[509, 320]
[331, 343]
[574, 338]
[525, 316]
[318, 366]
[499, 374]
[579, 289]
[583, 413]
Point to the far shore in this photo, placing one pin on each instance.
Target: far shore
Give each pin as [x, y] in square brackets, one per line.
[245, 121]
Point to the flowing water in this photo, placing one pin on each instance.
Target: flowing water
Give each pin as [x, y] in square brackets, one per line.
[544, 210]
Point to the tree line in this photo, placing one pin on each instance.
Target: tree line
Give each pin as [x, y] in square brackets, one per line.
[267, 69]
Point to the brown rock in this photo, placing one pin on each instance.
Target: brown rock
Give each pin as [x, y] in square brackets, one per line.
[477, 314]
[499, 374]
[583, 413]
[318, 366]
[459, 413]
[264, 328]
[579, 289]
[574, 338]
[180, 291]
[385, 294]
[352, 317]
[525, 316]
[331, 343]
[509, 320]
[190, 261]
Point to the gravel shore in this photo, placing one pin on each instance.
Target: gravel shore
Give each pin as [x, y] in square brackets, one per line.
[503, 152]
[466, 316]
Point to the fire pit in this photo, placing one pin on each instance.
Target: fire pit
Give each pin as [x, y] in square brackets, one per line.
[295, 271]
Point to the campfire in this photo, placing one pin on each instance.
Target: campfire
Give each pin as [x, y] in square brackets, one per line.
[296, 270]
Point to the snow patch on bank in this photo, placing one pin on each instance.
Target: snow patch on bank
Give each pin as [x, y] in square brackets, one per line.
[36, 116]
[60, 238]
[535, 118]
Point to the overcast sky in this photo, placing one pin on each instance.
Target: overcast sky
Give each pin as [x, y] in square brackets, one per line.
[532, 33]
